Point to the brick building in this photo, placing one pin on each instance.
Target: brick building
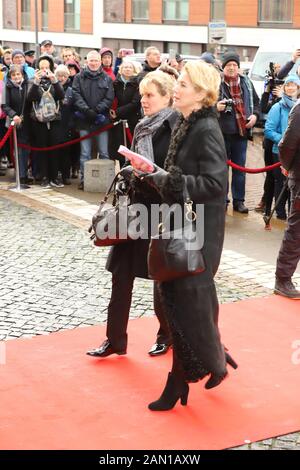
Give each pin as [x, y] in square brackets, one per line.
[175, 24]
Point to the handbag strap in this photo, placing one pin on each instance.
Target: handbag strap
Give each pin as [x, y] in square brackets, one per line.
[111, 187]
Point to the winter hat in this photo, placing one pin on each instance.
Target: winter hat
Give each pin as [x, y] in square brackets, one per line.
[208, 57]
[46, 57]
[17, 52]
[292, 78]
[230, 56]
[73, 63]
[105, 51]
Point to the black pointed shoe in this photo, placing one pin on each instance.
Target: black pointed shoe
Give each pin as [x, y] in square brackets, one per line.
[158, 349]
[105, 350]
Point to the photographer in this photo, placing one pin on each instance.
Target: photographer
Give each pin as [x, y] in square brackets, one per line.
[46, 133]
[239, 110]
[272, 94]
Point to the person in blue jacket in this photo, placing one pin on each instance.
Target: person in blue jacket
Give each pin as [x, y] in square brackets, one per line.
[275, 127]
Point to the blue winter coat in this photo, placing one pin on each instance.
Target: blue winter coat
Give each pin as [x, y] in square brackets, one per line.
[276, 123]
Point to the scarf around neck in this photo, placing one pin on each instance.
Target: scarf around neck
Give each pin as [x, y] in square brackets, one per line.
[144, 131]
[238, 103]
[288, 101]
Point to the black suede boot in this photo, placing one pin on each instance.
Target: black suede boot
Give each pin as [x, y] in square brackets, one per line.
[176, 387]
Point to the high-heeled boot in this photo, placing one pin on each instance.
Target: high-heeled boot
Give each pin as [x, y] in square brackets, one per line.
[175, 388]
[214, 379]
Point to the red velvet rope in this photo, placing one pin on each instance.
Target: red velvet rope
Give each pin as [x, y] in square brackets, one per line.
[253, 170]
[129, 135]
[4, 139]
[69, 142]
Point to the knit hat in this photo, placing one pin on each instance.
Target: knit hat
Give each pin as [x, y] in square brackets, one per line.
[105, 51]
[230, 56]
[208, 57]
[17, 52]
[46, 57]
[292, 78]
[73, 63]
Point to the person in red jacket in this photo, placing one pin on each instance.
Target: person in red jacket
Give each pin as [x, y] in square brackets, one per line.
[107, 61]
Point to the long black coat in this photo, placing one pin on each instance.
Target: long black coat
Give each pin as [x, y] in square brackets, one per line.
[130, 259]
[129, 108]
[192, 304]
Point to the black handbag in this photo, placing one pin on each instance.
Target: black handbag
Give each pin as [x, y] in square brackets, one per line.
[175, 256]
[110, 222]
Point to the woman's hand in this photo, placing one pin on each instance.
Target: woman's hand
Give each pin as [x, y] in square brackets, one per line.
[156, 179]
[17, 120]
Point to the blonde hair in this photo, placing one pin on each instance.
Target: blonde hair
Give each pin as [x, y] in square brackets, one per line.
[135, 65]
[204, 77]
[163, 82]
[62, 69]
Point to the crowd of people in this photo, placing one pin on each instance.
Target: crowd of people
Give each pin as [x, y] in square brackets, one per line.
[188, 119]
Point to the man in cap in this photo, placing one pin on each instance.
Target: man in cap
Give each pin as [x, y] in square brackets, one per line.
[48, 48]
[30, 57]
[239, 111]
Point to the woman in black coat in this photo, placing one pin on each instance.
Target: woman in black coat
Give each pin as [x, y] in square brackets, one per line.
[127, 106]
[196, 161]
[129, 260]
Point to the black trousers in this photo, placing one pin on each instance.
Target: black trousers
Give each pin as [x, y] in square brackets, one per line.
[269, 181]
[289, 254]
[118, 313]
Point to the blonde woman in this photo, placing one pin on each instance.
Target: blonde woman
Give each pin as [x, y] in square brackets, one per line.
[196, 161]
[129, 260]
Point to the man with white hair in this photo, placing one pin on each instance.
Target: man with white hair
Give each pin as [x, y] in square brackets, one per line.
[93, 96]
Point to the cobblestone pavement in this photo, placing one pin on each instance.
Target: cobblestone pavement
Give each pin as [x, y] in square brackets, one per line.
[52, 277]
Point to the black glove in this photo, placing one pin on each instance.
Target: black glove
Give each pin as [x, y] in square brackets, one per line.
[156, 179]
[126, 172]
[91, 115]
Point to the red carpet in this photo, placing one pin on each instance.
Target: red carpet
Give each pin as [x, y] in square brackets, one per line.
[53, 396]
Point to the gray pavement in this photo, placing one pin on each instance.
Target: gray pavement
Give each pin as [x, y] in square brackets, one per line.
[53, 278]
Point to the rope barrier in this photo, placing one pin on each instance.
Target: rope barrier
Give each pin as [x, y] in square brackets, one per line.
[69, 142]
[8, 133]
[129, 135]
[253, 170]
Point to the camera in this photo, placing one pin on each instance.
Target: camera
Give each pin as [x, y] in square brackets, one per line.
[228, 105]
[271, 79]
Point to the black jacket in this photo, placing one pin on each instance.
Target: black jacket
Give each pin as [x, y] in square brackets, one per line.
[16, 104]
[202, 160]
[289, 146]
[130, 259]
[92, 91]
[128, 101]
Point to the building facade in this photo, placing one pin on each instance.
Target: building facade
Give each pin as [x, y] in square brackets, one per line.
[169, 24]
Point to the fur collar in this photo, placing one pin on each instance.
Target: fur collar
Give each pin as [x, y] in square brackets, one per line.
[181, 130]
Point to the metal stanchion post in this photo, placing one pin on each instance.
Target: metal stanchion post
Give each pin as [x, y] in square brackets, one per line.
[18, 186]
[124, 122]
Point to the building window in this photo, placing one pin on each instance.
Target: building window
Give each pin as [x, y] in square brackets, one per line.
[275, 11]
[140, 10]
[175, 10]
[25, 14]
[72, 15]
[45, 15]
[217, 10]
